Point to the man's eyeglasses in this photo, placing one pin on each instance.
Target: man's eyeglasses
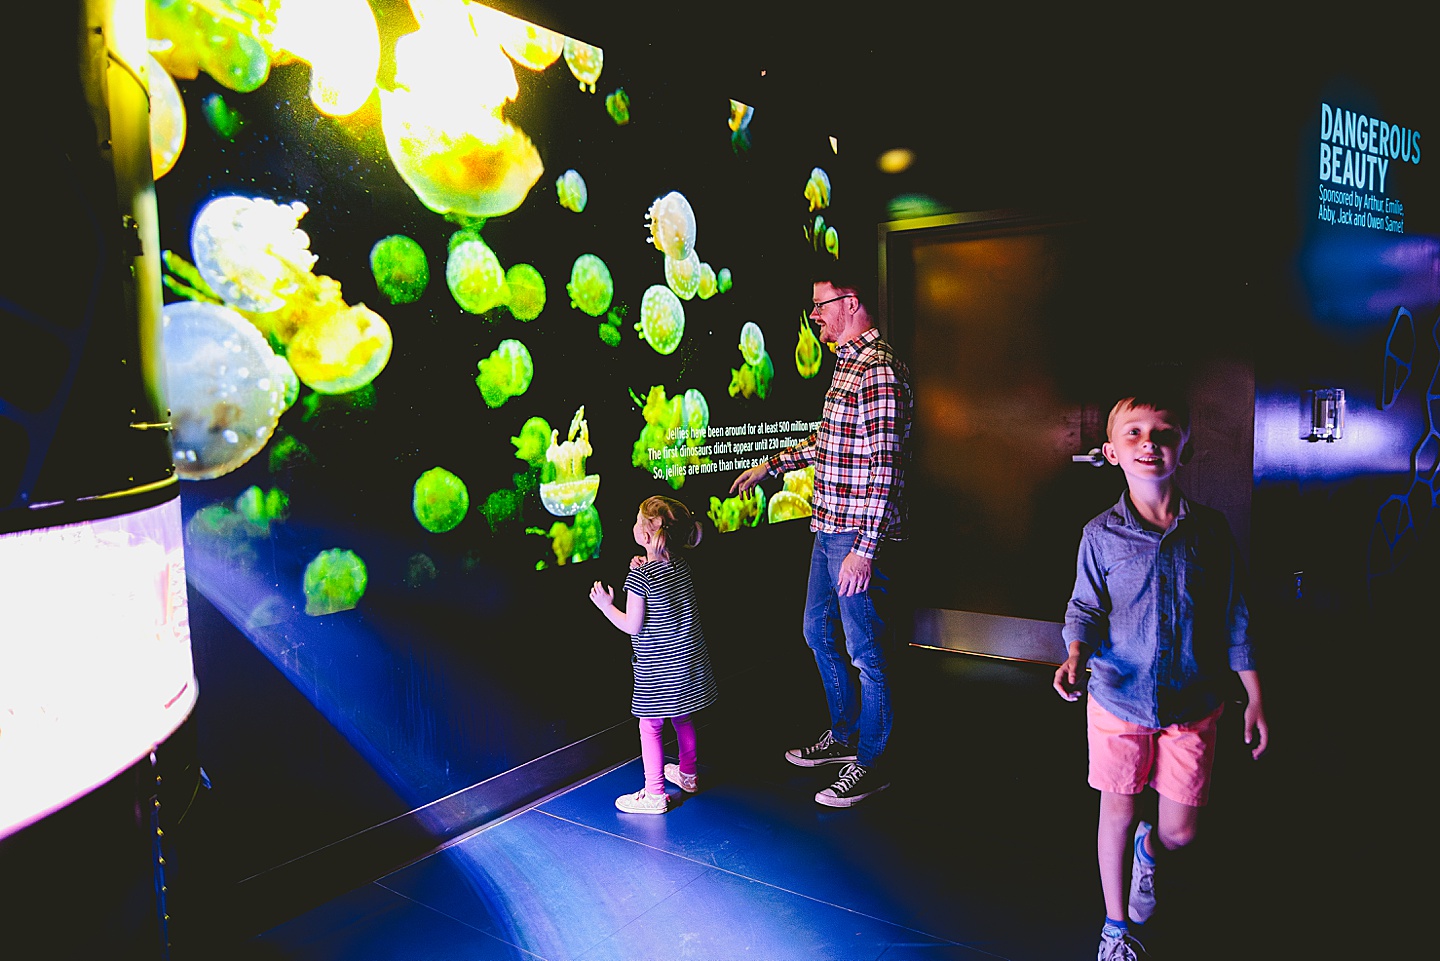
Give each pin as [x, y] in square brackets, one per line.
[821, 303]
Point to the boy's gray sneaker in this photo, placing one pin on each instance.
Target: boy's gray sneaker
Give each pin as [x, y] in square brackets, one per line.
[854, 784]
[1120, 946]
[1142, 879]
[827, 750]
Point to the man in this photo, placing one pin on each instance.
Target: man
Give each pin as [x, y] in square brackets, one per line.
[860, 454]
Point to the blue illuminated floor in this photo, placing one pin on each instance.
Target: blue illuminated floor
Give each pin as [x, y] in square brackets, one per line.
[983, 848]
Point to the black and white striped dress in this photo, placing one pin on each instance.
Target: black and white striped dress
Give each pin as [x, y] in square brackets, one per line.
[671, 663]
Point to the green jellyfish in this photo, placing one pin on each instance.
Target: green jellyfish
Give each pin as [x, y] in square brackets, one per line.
[224, 40]
[570, 191]
[753, 380]
[807, 350]
[335, 580]
[672, 225]
[223, 119]
[662, 319]
[695, 413]
[618, 106]
[577, 543]
[817, 190]
[752, 342]
[585, 62]
[441, 500]
[832, 242]
[524, 292]
[261, 508]
[723, 281]
[740, 116]
[572, 490]
[501, 506]
[609, 334]
[505, 373]
[420, 570]
[533, 441]
[590, 287]
[473, 273]
[742, 510]
[289, 452]
[707, 286]
[683, 276]
[400, 269]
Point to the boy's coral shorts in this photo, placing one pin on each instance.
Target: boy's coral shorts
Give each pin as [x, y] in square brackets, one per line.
[1177, 760]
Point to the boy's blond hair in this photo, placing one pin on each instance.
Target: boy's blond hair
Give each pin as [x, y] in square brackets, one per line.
[1174, 404]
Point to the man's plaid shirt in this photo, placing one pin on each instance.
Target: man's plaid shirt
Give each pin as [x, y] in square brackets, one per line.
[861, 449]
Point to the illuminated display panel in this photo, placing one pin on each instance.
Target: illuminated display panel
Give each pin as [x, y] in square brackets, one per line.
[95, 665]
[427, 356]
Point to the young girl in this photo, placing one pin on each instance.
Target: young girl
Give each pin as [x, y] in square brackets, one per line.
[673, 677]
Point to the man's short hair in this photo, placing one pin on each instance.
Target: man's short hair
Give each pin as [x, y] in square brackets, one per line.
[1152, 398]
[833, 272]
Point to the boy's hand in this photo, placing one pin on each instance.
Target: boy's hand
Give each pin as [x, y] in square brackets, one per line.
[636, 561]
[602, 596]
[1257, 729]
[1067, 677]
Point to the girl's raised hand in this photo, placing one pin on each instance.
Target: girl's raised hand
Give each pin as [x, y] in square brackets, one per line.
[636, 561]
[602, 596]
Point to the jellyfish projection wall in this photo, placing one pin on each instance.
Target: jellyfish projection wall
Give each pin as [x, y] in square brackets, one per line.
[383, 265]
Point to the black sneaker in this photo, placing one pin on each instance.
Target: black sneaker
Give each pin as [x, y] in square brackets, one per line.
[827, 750]
[854, 785]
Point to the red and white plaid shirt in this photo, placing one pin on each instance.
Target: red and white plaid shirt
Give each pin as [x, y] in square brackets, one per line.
[861, 449]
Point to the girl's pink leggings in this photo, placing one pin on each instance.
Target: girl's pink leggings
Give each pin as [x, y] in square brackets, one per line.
[652, 749]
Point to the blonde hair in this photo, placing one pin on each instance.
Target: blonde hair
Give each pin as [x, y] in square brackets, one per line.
[671, 522]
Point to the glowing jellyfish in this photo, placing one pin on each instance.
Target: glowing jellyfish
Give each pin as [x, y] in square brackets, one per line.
[807, 351]
[442, 123]
[223, 119]
[533, 441]
[742, 510]
[401, 271]
[752, 342]
[617, 105]
[817, 190]
[224, 397]
[695, 415]
[570, 191]
[672, 225]
[572, 490]
[340, 41]
[707, 285]
[785, 506]
[167, 118]
[683, 276]
[578, 543]
[506, 373]
[740, 116]
[440, 500]
[609, 334]
[753, 380]
[662, 319]
[340, 350]
[262, 508]
[723, 281]
[284, 374]
[501, 506]
[832, 241]
[335, 580]
[224, 40]
[473, 274]
[524, 292]
[251, 250]
[585, 62]
[591, 288]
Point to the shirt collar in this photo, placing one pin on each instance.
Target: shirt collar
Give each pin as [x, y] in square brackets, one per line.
[1126, 510]
[859, 342]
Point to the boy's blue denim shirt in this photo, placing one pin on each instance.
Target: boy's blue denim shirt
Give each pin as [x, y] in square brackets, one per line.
[1162, 615]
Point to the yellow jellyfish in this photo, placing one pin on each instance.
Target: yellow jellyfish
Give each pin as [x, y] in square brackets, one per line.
[708, 286]
[340, 350]
[584, 61]
[683, 276]
[167, 118]
[250, 250]
[524, 292]
[672, 225]
[442, 122]
[532, 47]
[752, 342]
[817, 190]
[807, 350]
[572, 490]
[340, 41]
[832, 241]
[740, 114]
[474, 275]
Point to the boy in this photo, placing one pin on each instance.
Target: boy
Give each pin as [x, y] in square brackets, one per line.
[1158, 613]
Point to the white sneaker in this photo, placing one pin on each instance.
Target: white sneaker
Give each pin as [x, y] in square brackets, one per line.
[1142, 879]
[689, 783]
[643, 802]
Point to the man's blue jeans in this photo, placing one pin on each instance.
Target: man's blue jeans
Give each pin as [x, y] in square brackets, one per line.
[850, 637]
